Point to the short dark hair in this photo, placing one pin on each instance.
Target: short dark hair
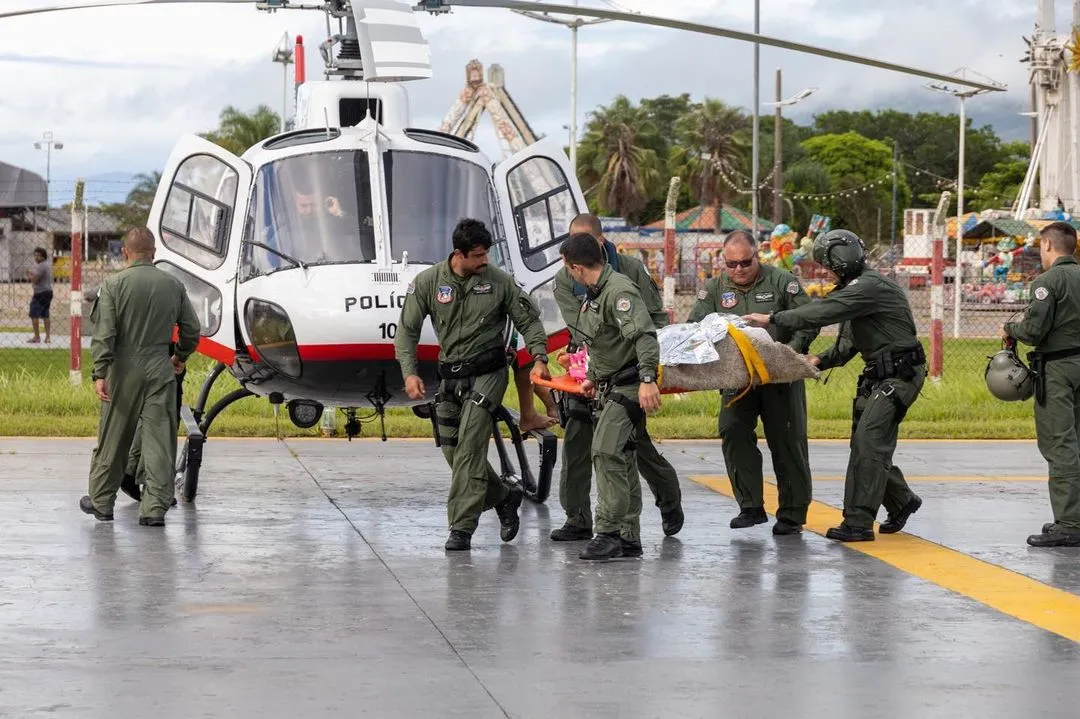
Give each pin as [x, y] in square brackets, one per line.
[41, 251]
[581, 248]
[1061, 236]
[744, 235]
[591, 223]
[470, 234]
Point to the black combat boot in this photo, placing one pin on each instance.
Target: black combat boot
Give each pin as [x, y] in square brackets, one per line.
[458, 541]
[508, 515]
[672, 521]
[603, 546]
[846, 533]
[87, 506]
[570, 533]
[630, 549]
[896, 522]
[130, 487]
[749, 517]
[152, 521]
[783, 526]
[1055, 536]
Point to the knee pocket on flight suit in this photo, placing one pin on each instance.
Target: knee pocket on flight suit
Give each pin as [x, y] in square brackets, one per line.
[614, 434]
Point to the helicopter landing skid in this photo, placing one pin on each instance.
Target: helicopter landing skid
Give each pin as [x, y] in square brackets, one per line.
[197, 424]
[535, 488]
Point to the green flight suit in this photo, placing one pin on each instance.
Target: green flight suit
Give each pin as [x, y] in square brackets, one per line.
[469, 316]
[133, 316]
[782, 407]
[623, 337]
[876, 322]
[575, 477]
[1052, 326]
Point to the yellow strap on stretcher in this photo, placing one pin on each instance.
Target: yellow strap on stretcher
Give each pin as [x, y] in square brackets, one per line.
[754, 364]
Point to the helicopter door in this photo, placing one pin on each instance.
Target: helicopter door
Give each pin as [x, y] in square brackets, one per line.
[198, 229]
[538, 197]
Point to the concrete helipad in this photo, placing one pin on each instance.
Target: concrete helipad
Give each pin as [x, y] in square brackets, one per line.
[309, 580]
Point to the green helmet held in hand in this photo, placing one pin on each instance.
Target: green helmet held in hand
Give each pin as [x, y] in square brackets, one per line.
[1008, 378]
[840, 251]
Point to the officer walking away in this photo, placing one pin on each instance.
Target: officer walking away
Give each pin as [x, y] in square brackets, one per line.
[41, 281]
[134, 376]
[876, 322]
[468, 302]
[747, 287]
[575, 481]
[1051, 325]
[623, 360]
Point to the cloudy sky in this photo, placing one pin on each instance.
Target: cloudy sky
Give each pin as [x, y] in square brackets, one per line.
[119, 85]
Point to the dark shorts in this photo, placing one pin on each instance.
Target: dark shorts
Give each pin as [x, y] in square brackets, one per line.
[39, 304]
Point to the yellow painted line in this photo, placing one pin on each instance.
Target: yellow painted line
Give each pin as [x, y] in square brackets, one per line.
[939, 478]
[1024, 598]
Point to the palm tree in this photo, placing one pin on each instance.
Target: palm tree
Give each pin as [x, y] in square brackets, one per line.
[237, 131]
[618, 158]
[712, 143]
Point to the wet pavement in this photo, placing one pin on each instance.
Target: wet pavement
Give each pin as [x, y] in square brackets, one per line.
[308, 579]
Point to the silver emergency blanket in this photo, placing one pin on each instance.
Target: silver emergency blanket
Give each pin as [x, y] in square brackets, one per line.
[703, 355]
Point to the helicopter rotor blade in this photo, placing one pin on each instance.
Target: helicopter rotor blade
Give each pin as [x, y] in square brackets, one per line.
[550, 8]
[75, 5]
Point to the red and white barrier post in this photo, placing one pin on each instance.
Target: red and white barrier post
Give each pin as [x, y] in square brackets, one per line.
[669, 247]
[937, 285]
[78, 220]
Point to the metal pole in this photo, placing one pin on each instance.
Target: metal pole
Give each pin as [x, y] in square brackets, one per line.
[778, 140]
[284, 93]
[757, 101]
[573, 96]
[895, 173]
[959, 222]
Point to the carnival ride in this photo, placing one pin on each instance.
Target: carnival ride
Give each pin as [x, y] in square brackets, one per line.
[491, 97]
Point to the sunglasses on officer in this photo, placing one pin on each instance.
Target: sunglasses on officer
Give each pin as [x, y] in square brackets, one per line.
[732, 264]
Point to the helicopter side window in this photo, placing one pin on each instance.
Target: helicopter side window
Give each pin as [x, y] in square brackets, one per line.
[198, 210]
[428, 194]
[313, 209]
[543, 206]
[205, 298]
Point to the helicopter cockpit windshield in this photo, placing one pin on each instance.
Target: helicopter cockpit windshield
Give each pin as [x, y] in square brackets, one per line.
[427, 195]
[311, 209]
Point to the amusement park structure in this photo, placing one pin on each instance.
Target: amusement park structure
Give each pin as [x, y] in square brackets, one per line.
[492, 97]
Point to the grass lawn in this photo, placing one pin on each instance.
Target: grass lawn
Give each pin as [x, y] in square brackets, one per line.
[37, 399]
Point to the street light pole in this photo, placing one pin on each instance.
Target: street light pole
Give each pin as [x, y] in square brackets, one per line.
[574, 24]
[284, 54]
[49, 143]
[757, 101]
[778, 139]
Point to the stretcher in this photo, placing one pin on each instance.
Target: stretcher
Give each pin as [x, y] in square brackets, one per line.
[721, 352]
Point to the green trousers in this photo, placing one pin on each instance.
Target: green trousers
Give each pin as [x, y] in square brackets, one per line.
[133, 469]
[614, 455]
[1057, 425]
[872, 479]
[575, 477]
[465, 432]
[782, 409]
[142, 390]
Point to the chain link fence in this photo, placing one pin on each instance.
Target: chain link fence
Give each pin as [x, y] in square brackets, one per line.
[35, 284]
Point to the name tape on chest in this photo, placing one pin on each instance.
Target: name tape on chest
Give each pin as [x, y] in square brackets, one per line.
[764, 296]
[444, 294]
[482, 289]
[728, 299]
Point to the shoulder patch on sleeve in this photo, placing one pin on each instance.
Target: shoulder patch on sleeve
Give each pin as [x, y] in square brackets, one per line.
[702, 295]
[622, 304]
[793, 288]
[1041, 293]
[411, 288]
[853, 282]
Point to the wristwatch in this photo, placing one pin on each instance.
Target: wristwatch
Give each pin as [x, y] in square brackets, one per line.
[540, 358]
[646, 376]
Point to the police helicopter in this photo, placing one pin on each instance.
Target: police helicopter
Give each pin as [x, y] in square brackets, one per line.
[298, 254]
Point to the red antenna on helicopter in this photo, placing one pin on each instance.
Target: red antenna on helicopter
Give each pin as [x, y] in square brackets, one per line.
[298, 52]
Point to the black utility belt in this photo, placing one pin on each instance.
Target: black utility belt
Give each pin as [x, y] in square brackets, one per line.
[1041, 357]
[899, 363]
[622, 378]
[486, 361]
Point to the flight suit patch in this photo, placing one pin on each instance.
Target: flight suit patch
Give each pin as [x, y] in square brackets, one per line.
[702, 295]
[793, 288]
[764, 297]
[728, 299]
[445, 294]
[1041, 293]
[623, 304]
[484, 289]
[411, 288]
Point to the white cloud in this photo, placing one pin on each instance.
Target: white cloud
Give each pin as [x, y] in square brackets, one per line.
[204, 57]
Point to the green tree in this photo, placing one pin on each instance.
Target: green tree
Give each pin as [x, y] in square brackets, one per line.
[999, 188]
[619, 157]
[712, 140]
[237, 131]
[852, 161]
